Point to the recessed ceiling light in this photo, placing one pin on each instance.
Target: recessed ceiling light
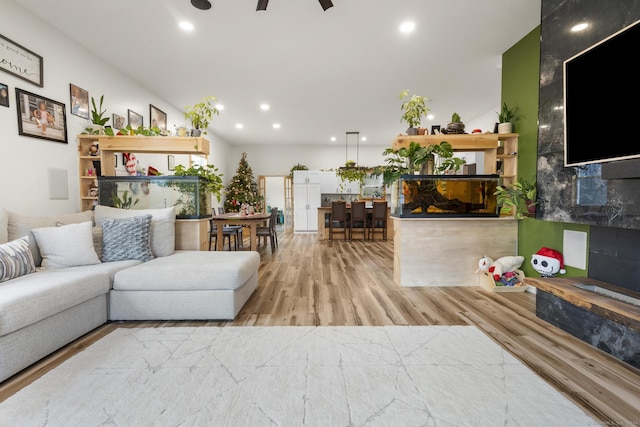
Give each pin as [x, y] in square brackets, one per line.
[219, 107]
[579, 27]
[264, 107]
[276, 125]
[333, 139]
[429, 116]
[239, 125]
[407, 27]
[186, 26]
[364, 138]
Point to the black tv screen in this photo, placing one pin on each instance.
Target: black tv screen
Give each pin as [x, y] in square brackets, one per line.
[602, 100]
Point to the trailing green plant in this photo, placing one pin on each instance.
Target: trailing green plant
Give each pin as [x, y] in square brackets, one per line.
[506, 114]
[520, 196]
[352, 173]
[126, 202]
[297, 167]
[140, 130]
[200, 114]
[413, 108]
[212, 179]
[97, 113]
[210, 182]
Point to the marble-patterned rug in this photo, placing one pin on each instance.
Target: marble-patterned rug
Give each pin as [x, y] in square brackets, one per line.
[292, 376]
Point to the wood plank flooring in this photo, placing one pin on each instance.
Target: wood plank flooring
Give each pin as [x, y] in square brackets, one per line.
[307, 282]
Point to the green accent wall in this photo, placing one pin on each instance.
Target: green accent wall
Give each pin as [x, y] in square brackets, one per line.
[520, 88]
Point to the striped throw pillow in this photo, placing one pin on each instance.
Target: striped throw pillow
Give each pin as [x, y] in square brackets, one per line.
[15, 259]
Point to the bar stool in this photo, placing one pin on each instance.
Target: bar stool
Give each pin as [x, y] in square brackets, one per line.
[378, 220]
[358, 220]
[338, 219]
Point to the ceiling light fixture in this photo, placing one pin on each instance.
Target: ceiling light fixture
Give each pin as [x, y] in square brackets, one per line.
[239, 125]
[276, 125]
[264, 107]
[407, 27]
[219, 107]
[326, 4]
[186, 26]
[262, 5]
[333, 139]
[201, 4]
[364, 138]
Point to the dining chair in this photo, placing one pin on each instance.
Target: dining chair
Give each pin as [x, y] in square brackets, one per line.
[233, 228]
[227, 234]
[358, 220]
[378, 222]
[338, 219]
[269, 231]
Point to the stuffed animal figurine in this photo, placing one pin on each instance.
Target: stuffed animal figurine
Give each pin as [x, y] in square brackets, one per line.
[505, 264]
[484, 264]
[548, 262]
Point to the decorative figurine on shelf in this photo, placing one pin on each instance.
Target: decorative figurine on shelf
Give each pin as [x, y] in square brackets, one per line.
[130, 163]
[548, 262]
[93, 189]
[94, 150]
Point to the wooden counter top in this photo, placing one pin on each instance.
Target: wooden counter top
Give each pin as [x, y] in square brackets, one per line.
[618, 311]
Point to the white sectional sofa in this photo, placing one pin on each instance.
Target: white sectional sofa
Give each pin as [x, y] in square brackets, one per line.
[58, 302]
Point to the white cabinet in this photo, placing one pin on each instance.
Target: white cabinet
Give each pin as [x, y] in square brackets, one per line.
[306, 200]
[329, 183]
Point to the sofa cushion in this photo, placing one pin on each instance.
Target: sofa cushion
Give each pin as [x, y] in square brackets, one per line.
[21, 225]
[4, 224]
[29, 299]
[126, 238]
[108, 268]
[190, 270]
[15, 259]
[163, 227]
[66, 246]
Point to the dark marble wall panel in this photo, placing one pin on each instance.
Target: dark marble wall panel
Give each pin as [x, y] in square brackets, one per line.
[614, 256]
[615, 203]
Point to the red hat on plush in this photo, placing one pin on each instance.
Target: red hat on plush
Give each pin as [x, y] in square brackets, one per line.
[551, 255]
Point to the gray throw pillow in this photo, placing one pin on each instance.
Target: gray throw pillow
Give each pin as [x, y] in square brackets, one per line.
[15, 259]
[126, 238]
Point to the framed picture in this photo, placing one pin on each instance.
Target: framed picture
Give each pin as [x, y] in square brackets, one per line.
[79, 101]
[135, 120]
[21, 62]
[41, 117]
[4, 95]
[171, 162]
[435, 129]
[119, 122]
[158, 118]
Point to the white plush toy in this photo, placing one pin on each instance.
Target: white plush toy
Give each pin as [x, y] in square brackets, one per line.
[484, 264]
[504, 264]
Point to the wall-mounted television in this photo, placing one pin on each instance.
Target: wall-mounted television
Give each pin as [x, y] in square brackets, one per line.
[602, 100]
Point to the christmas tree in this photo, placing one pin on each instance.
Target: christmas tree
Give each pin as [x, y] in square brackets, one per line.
[243, 188]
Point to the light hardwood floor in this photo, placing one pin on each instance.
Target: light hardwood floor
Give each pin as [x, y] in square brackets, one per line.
[307, 282]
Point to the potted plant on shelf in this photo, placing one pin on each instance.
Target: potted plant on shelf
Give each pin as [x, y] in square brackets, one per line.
[506, 118]
[455, 126]
[297, 167]
[200, 115]
[413, 109]
[210, 183]
[518, 199]
[98, 119]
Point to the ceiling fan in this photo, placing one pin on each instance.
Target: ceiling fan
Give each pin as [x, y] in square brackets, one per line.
[262, 4]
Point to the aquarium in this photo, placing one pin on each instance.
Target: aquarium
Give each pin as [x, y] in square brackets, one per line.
[427, 196]
[188, 194]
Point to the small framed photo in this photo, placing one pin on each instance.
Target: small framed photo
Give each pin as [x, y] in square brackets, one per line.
[158, 118]
[41, 117]
[171, 162]
[119, 122]
[135, 120]
[435, 129]
[4, 95]
[79, 101]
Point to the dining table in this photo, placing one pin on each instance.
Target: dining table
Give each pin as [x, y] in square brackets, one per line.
[253, 221]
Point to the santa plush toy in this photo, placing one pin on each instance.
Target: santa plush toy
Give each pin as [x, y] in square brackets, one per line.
[548, 262]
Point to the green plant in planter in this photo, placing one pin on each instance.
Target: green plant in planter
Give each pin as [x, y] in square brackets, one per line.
[506, 114]
[200, 114]
[297, 167]
[212, 184]
[414, 109]
[97, 113]
[519, 197]
[351, 173]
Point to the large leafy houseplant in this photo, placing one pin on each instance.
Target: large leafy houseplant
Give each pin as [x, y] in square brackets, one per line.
[210, 183]
[519, 198]
[414, 109]
[201, 113]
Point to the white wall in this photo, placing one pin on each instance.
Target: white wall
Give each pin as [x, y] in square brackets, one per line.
[26, 160]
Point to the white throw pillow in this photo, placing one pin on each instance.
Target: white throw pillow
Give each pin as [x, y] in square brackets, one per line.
[163, 225]
[66, 246]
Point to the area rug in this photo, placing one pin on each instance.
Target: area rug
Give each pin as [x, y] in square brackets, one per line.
[292, 376]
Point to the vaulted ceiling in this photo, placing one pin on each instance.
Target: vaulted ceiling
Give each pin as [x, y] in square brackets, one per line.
[323, 73]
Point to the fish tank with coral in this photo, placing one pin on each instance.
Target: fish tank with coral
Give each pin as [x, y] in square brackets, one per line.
[188, 194]
[455, 196]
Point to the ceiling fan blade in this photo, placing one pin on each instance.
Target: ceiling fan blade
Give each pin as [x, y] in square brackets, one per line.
[201, 4]
[326, 4]
[262, 4]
